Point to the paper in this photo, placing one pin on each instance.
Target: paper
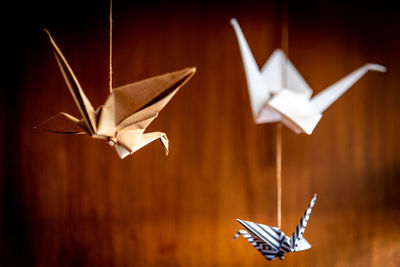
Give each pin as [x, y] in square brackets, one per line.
[279, 93]
[271, 241]
[128, 110]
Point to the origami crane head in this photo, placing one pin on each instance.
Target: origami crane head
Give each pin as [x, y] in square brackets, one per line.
[272, 242]
[128, 110]
[278, 93]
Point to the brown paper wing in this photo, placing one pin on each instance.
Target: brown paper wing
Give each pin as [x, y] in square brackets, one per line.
[158, 90]
[63, 123]
[84, 106]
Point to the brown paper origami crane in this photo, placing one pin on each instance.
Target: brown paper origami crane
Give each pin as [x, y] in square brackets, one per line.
[128, 110]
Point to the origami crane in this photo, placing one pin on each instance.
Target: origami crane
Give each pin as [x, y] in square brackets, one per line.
[271, 241]
[128, 110]
[279, 93]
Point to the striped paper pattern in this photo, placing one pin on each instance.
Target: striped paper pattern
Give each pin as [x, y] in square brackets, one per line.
[271, 242]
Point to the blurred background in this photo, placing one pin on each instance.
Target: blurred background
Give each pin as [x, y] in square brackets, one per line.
[70, 201]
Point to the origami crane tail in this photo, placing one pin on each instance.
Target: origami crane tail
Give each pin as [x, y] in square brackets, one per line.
[298, 233]
[63, 123]
[84, 106]
[259, 244]
[258, 91]
[327, 97]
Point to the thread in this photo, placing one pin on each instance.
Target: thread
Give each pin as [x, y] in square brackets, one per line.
[111, 28]
[285, 48]
[279, 172]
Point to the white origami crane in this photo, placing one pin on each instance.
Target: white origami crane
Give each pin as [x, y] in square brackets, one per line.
[279, 93]
[271, 241]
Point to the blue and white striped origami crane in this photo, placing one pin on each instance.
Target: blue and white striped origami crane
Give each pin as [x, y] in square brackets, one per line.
[271, 241]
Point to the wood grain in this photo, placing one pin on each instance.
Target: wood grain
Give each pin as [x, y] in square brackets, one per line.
[70, 201]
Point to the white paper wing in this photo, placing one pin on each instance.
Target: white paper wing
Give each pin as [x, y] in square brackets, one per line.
[327, 97]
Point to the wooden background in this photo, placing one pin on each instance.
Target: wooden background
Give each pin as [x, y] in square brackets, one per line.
[70, 201]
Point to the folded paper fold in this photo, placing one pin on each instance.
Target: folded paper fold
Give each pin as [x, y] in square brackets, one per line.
[278, 92]
[127, 111]
[272, 242]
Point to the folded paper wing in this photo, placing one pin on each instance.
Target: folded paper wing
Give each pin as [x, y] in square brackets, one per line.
[136, 102]
[62, 123]
[301, 114]
[297, 241]
[83, 103]
[327, 97]
[153, 93]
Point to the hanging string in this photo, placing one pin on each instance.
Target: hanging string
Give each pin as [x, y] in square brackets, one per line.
[285, 48]
[279, 171]
[285, 30]
[111, 26]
